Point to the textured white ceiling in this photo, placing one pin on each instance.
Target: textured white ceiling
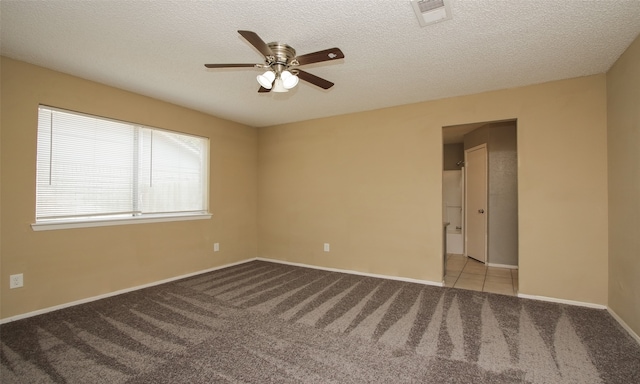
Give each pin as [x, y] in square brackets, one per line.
[158, 48]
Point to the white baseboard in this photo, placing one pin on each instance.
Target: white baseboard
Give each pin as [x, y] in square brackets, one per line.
[624, 325]
[351, 272]
[507, 266]
[562, 301]
[115, 293]
[126, 290]
[405, 279]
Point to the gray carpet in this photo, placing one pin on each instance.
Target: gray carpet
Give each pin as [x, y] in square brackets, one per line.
[263, 322]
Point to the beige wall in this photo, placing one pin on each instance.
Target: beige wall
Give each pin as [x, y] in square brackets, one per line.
[370, 184]
[623, 105]
[67, 265]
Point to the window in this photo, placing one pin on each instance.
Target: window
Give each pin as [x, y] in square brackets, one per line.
[96, 170]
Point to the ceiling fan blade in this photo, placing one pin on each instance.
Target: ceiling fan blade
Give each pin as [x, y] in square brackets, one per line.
[257, 42]
[263, 90]
[230, 65]
[315, 80]
[317, 57]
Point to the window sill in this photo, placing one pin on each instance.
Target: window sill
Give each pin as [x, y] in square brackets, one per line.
[104, 222]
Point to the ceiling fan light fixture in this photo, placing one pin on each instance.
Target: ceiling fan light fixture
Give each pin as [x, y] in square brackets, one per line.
[278, 86]
[266, 79]
[289, 80]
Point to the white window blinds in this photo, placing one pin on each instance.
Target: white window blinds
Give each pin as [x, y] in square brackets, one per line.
[94, 167]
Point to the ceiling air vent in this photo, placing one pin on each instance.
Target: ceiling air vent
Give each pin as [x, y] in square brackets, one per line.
[431, 11]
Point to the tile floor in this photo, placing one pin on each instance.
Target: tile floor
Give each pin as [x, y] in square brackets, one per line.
[466, 273]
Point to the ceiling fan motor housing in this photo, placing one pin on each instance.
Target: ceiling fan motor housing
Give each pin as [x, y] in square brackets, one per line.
[283, 55]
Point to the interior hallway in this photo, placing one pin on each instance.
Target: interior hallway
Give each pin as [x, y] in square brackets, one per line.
[466, 273]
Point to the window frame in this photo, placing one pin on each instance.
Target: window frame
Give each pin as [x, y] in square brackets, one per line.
[101, 221]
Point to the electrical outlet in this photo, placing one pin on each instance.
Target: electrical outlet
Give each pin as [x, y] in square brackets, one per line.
[216, 247]
[327, 247]
[16, 281]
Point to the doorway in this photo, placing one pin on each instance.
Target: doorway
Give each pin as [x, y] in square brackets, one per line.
[497, 244]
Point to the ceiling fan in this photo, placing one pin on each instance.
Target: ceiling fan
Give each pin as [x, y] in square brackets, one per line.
[281, 64]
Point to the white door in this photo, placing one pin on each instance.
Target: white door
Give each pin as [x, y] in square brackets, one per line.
[475, 161]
